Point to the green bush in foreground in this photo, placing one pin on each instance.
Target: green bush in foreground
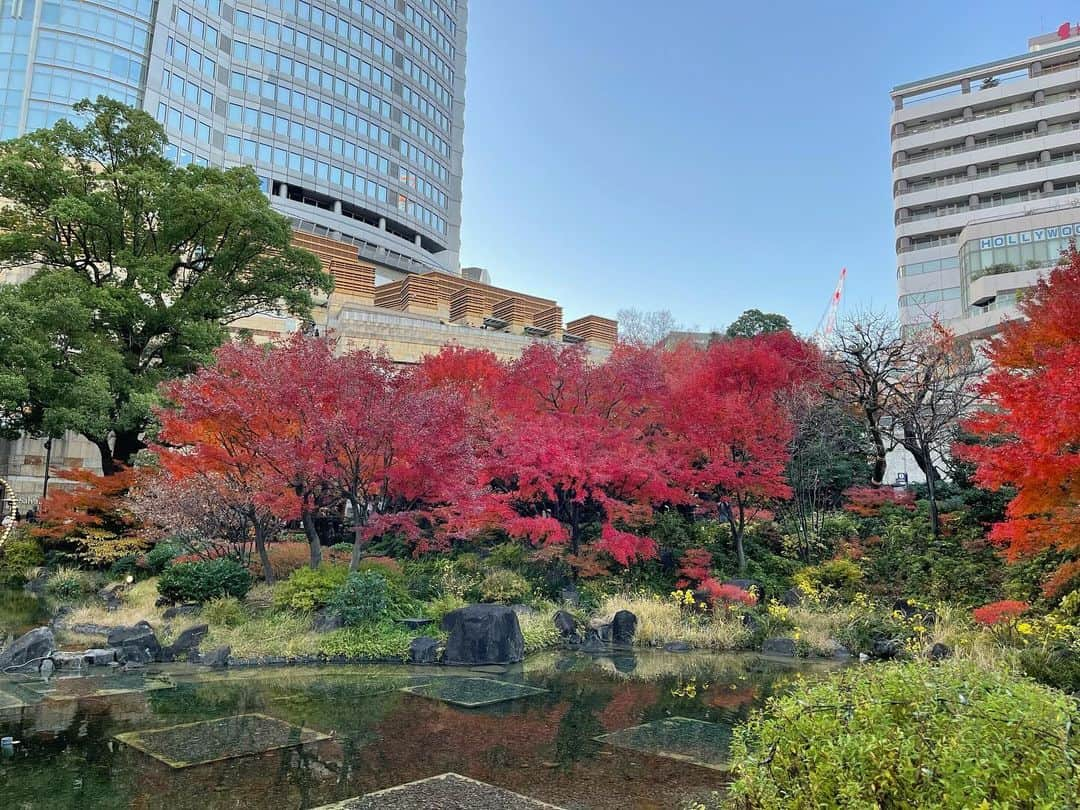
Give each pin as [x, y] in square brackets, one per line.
[161, 555]
[911, 735]
[310, 588]
[201, 581]
[505, 586]
[68, 583]
[364, 598]
[20, 553]
[374, 641]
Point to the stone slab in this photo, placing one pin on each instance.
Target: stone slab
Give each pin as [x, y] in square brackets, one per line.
[682, 738]
[191, 744]
[448, 791]
[472, 693]
[81, 687]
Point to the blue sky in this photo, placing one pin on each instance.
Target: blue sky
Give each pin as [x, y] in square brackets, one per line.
[703, 157]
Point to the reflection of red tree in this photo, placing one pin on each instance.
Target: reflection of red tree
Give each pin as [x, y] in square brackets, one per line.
[627, 705]
[722, 696]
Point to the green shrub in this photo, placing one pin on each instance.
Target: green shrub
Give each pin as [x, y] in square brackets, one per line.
[309, 588]
[201, 581]
[68, 584]
[910, 735]
[868, 625]
[224, 611]
[504, 586]
[1055, 663]
[423, 579]
[363, 598]
[440, 606]
[125, 566]
[830, 578]
[19, 553]
[161, 555]
[509, 555]
[375, 641]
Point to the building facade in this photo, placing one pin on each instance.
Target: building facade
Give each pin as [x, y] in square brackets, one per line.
[986, 183]
[350, 111]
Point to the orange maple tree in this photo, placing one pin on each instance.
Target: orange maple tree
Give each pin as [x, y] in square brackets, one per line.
[1031, 426]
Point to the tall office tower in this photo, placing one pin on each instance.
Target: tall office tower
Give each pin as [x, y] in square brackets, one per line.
[986, 182]
[350, 111]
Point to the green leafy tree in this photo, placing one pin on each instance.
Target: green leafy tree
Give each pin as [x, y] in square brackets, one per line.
[755, 322]
[136, 267]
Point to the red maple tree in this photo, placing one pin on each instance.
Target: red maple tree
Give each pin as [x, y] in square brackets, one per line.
[1030, 428]
[572, 446]
[730, 427]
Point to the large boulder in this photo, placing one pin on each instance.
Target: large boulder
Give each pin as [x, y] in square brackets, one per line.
[217, 657]
[186, 643]
[885, 649]
[567, 626]
[623, 627]
[483, 634]
[779, 646]
[136, 644]
[37, 644]
[424, 650]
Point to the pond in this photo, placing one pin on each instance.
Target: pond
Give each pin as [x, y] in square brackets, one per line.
[642, 730]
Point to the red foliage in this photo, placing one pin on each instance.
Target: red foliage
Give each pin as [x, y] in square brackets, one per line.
[716, 593]
[998, 612]
[95, 502]
[1031, 429]
[568, 445]
[869, 501]
[730, 425]
[694, 566]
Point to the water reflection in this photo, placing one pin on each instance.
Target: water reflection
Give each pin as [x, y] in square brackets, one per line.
[543, 745]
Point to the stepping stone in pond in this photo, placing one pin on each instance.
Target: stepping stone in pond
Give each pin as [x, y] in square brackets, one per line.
[681, 738]
[448, 791]
[213, 740]
[472, 692]
[79, 687]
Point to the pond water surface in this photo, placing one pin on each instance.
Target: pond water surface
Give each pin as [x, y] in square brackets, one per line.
[365, 728]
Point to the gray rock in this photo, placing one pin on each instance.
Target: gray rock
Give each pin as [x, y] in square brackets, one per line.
[483, 634]
[136, 643]
[939, 652]
[216, 658]
[677, 647]
[92, 629]
[424, 650]
[38, 643]
[623, 627]
[112, 595]
[325, 621]
[779, 646]
[840, 652]
[99, 657]
[567, 626]
[599, 631]
[571, 595]
[187, 609]
[910, 611]
[186, 643]
[68, 660]
[791, 597]
[863, 658]
[885, 649]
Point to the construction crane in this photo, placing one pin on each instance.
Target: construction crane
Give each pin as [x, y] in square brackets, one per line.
[827, 324]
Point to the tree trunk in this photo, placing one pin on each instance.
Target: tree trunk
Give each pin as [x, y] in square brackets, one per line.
[108, 466]
[879, 455]
[931, 494]
[358, 524]
[314, 541]
[264, 555]
[126, 443]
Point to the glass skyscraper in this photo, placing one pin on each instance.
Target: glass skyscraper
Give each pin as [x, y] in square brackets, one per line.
[350, 111]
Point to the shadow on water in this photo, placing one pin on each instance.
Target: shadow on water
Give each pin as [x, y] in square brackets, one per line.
[377, 734]
[20, 611]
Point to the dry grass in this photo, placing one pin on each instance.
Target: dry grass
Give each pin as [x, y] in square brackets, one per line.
[138, 605]
[660, 622]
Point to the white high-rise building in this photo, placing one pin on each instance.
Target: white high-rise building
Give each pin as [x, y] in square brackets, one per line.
[986, 182]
